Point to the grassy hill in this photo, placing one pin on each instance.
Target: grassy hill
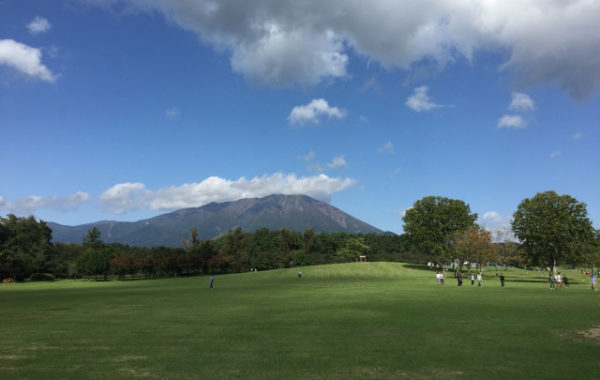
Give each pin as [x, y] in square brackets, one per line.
[374, 320]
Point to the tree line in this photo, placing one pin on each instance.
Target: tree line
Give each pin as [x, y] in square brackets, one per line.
[547, 230]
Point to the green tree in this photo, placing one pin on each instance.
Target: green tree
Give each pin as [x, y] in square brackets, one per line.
[95, 259]
[473, 245]
[552, 228]
[94, 262]
[24, 246]
[354, 248]
[92, 239]
[431, 225]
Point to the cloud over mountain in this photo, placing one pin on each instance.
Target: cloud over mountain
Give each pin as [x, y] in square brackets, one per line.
[124, 197]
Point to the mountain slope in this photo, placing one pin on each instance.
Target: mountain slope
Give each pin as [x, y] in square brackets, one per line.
[296, 212]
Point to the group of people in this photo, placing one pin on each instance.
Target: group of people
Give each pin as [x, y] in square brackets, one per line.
[439, 277]
[557, 281]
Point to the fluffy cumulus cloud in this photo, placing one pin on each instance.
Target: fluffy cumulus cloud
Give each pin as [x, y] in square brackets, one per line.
[133, 196]
[284, 42]
[314, 112]
[521, 102]
[38, 25]
[419, 101]
[31, 203]
[25, 59]
[511, 121]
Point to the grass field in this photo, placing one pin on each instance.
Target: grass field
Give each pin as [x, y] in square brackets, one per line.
[374, 320]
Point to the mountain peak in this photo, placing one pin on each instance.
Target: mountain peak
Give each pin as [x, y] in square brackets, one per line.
[275, 211]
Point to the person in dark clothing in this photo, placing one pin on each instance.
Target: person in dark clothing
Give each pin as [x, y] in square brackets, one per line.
[566, 281]
[502, 279]
[459, 278]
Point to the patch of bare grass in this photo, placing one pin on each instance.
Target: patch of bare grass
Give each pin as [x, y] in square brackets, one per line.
[591, 333]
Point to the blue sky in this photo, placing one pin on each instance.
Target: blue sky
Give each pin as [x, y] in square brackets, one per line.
[127, 109]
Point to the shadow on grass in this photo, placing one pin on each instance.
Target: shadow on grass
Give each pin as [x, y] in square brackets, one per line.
[528, 280]
[421, 267]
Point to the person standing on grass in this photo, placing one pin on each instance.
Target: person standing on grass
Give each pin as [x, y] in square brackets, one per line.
[437, 278]
[479, 278]
[566, 281]
[442, 278]
[472, 279]
[502, 279]
[459, 279]
[211, 281]
[551, 280]
[593, 281]
[299, 274]
[558, 281]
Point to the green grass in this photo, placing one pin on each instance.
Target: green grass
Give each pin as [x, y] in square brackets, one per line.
[375, 320]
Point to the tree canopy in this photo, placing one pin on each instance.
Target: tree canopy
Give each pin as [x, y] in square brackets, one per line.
[553, 228]
[432, 223]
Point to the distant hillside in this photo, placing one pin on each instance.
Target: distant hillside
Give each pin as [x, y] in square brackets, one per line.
[296, 212]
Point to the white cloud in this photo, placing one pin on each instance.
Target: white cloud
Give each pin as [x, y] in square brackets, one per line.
[278, 56]
[388, 147]
[577, 136]
[363, 119]
[313, 112]
[38, 25]
[337, 162]
[287, 41]
[555, 154]
[498, 225]
[173, 113]
[25, 59]
[492, 217]
[124, 197]
[521, 102]
[31, 203]
[420, 101]
[78, 198]
[133, 196]
[511, 121]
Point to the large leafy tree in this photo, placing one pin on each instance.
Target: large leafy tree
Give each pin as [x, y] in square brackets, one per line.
[24, 246]
[552, 228]
[432, 224]
[474, 245]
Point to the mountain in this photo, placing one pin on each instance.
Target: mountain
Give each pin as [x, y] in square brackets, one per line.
[296, 212]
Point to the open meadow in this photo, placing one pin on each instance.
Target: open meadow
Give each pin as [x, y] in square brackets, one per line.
[371, 320]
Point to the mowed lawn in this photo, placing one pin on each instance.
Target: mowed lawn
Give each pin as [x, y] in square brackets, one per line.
[373, 320]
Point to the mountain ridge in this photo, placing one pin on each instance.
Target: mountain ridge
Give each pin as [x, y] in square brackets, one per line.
[295, 212]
